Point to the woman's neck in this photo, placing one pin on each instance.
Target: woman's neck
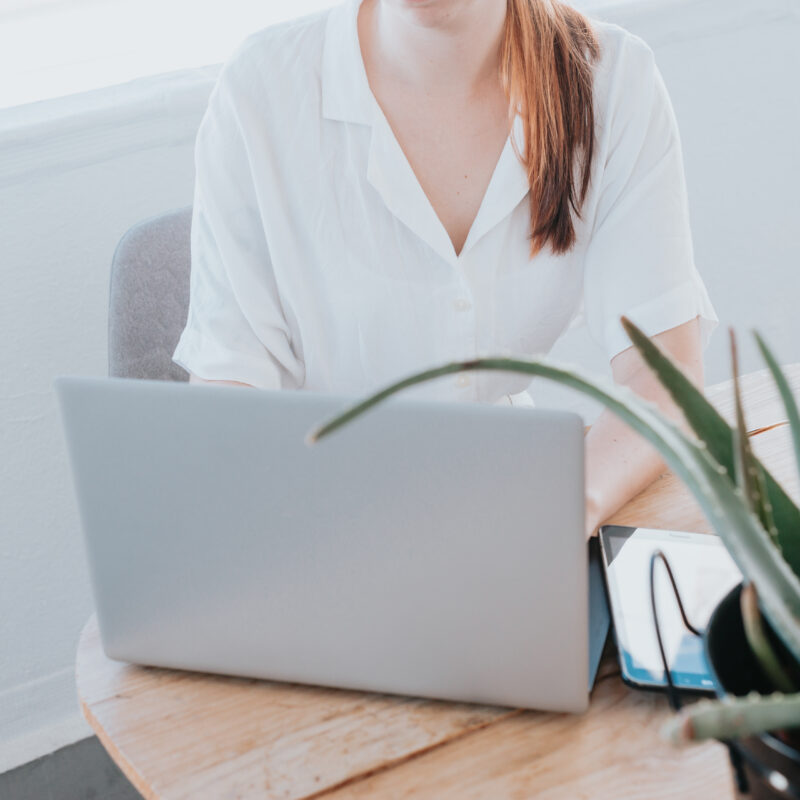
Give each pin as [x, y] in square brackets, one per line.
[448, 48]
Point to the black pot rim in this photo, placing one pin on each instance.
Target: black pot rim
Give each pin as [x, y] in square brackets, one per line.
[768, 739]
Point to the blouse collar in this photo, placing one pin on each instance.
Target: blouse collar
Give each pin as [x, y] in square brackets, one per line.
[347, 97]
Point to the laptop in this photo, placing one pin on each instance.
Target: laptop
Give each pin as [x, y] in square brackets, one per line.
[428, 548]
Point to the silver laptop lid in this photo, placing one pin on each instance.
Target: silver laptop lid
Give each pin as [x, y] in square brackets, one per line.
[427, 548]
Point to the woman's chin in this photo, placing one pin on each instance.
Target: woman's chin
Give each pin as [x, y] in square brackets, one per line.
[429, 11]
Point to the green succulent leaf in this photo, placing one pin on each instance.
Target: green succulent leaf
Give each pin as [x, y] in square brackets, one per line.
[759, 641]
[742, 533]
[710, 426]
[747, 469]
[733, 718]
[785, 391]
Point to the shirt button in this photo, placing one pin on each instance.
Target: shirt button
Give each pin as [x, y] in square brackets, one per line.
[461, 304]
[463, 379]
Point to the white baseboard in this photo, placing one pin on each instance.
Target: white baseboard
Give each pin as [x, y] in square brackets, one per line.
[38, 718]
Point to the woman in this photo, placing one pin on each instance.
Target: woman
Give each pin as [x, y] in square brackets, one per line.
[393, 184]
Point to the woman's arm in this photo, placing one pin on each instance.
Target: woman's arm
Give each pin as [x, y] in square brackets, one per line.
[620, 462]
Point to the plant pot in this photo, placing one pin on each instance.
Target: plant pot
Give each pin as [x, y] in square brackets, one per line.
[765, 766]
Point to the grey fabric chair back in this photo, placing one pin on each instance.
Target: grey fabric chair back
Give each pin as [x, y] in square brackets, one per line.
[149, 297]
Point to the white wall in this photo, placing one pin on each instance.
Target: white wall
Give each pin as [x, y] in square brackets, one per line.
[75, 173]
[69, 189]
[54, 48]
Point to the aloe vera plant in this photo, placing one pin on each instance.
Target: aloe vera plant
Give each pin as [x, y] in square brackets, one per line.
[734, 717]
[757, 521]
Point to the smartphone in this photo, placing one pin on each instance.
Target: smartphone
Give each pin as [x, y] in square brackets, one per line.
[704, 573]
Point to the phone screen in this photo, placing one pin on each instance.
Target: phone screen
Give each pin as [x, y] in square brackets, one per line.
[704, 573]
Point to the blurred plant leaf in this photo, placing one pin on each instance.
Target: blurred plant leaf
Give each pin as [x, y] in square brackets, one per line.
[710, 426]
[747, 470]
[785, 391]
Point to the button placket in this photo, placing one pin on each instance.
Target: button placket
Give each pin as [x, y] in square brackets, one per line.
[464, 321]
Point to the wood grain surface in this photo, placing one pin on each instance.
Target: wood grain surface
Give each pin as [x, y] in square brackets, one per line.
[180, 735]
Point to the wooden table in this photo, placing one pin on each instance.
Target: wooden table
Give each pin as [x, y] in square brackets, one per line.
[188, 735]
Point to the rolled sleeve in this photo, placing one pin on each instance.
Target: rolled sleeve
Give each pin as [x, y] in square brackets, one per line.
[639, 260]
[236, 327]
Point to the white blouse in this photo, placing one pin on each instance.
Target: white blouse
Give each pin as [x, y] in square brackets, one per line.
[318, 262]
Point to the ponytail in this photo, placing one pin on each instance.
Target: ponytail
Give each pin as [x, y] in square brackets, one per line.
[547, 54]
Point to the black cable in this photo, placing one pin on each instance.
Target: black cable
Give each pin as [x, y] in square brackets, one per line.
[672, 694]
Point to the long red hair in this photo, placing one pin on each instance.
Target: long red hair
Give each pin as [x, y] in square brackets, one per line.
[547, 55]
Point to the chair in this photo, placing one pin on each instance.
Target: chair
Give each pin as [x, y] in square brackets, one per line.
[149, 297]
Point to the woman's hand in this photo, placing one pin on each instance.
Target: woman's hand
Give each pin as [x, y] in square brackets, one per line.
[620, 463]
